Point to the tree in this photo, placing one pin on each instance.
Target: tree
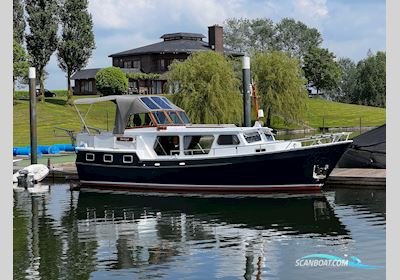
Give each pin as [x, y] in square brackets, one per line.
[206, 88]
[321, 70]
[42, 39]
[77, 39]
[296, 38]
[261, 34]
[111, 80]
[18, 21]
[237, 34]
[280, 85]
[20, 62]
[371, 80]
[348, 82]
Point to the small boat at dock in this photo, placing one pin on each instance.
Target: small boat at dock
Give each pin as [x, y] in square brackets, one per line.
[155, 147]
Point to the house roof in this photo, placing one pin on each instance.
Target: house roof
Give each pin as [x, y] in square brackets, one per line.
[86, 74]
[182, 35]
[173, 46]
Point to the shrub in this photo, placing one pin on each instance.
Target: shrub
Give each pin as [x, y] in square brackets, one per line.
[111, 80]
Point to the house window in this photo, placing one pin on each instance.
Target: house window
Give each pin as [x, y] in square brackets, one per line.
[89, 157]
[136, 64]
[86, 86]
[128, 64]
[108, 158]
[162, 64]
[228, 140]
[167, 145]
[198, 144]
[157, 87]
[127, 159]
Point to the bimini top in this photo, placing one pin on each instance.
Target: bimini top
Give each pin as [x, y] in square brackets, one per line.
[132, 104]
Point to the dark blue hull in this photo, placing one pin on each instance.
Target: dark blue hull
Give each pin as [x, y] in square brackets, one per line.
[301, 169]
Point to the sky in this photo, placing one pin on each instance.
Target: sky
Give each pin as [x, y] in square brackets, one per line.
[349, 28]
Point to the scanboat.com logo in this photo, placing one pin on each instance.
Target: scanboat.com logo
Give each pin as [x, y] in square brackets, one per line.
[316, 260]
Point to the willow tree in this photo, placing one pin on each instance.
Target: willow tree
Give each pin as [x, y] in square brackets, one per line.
[280, 85]
[206, 88]
[41, 42]
[77, 39]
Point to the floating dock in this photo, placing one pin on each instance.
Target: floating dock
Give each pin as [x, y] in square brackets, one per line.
[357, 178]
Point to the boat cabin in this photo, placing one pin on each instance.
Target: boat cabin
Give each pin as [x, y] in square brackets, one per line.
[154, 127]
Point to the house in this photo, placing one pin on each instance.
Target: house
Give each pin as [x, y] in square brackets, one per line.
[152, 61]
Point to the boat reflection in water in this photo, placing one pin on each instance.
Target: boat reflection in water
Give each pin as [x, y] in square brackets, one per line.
[155, 230]
[108, 234]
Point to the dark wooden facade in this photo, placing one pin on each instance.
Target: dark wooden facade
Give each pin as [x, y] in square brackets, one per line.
[85, 87]
[148, 63]
[155, 58]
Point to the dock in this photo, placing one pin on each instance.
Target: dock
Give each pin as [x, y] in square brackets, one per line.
[357, 178]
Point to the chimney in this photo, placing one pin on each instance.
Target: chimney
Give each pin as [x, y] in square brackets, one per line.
[215, 38]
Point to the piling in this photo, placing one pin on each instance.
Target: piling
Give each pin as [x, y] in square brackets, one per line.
[32, 114]
[246, 91]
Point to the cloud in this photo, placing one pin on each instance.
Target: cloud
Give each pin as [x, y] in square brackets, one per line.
[312, 8]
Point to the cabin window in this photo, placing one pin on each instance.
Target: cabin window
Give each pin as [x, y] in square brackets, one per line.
[161, 118]
[127, 159]
[108, 158]
[160, 102]
[167, 145]
[139, 120]
[174, 117]
[252, 137]
[89, 157]
[184, 117]
[198, 144]
[228, 140]
[150, 103]
[268, 136]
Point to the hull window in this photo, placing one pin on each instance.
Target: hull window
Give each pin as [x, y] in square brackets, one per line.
[89, 157]
[228, 140]
[167, 145]
[108, 158]
[198, 144]
[127, 159]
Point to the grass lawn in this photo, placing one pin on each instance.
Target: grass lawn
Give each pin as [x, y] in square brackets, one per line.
[335, 114]
[54, 112]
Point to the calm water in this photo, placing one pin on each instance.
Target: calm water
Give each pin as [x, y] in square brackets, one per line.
[111, 235]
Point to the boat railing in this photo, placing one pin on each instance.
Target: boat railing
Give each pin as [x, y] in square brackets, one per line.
[261, 147]
[321, 139]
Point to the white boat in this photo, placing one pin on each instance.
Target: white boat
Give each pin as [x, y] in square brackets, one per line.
[154, 147]
[38, 171]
